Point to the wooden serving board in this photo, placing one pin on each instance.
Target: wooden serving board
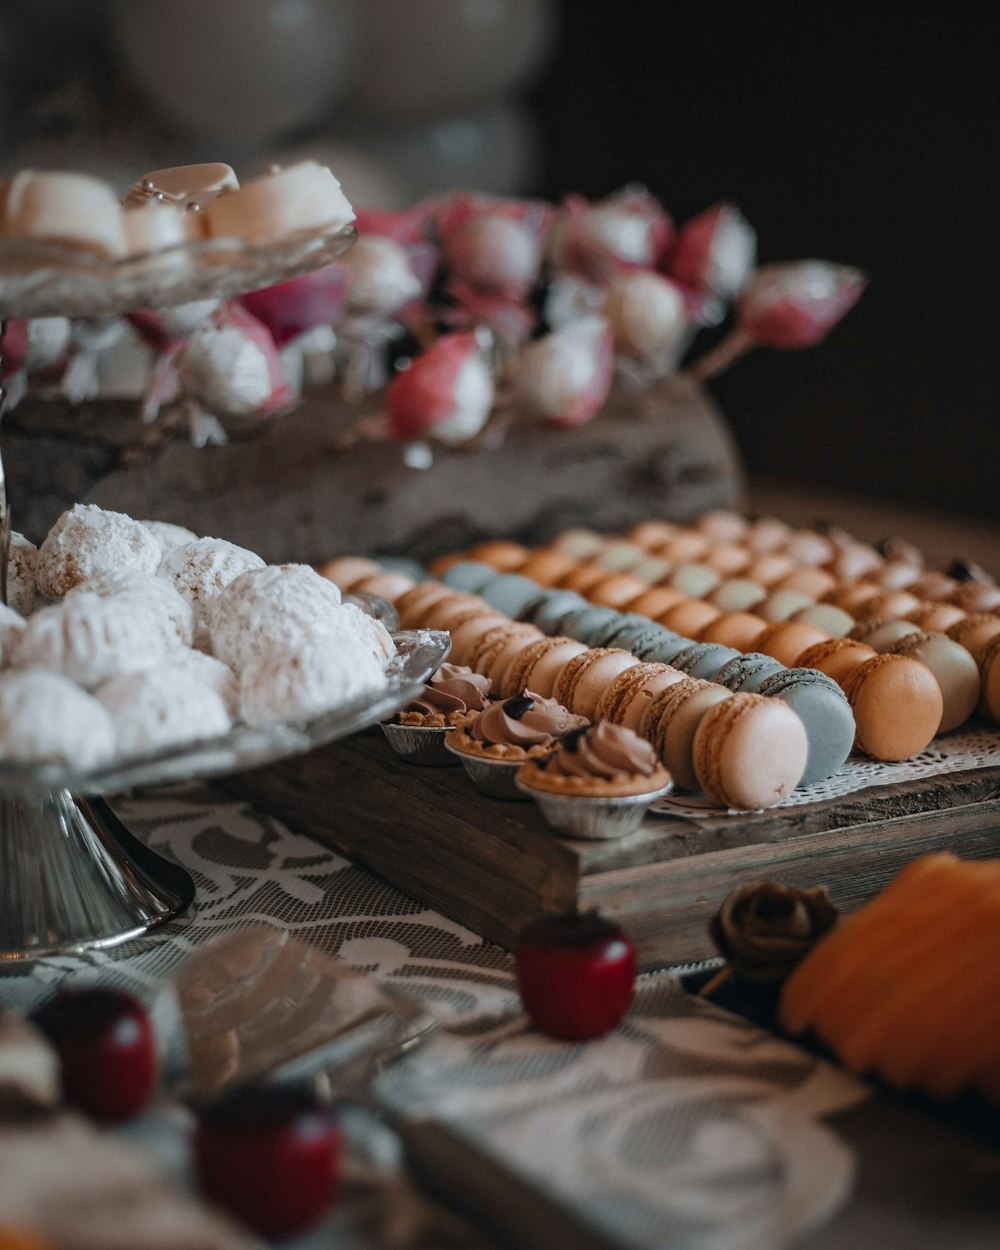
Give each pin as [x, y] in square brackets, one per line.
[494, 865]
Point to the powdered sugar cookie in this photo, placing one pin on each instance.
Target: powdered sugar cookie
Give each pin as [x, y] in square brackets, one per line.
[45, 718]
[153, 594]
[169, 535]
[210, 672]
[162, 708]
[12, 626]
[200, 570]
[21, 593]
[306, 681]
[85, 542]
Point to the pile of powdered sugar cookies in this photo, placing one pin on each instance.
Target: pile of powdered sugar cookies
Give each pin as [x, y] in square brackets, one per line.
[123, 638]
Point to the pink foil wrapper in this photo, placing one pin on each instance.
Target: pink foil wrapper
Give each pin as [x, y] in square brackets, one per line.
[565, 376]
[230, 366]
[290, 309]
[596, 240]
[446, 392]
[797, 303]
[715, 253]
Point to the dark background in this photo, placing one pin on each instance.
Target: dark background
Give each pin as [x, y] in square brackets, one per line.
[869, 136]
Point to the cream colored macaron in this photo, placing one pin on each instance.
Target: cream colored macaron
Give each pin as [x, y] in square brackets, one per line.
[750, 751]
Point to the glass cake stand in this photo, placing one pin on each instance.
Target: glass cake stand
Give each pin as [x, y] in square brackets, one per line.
[71, 876]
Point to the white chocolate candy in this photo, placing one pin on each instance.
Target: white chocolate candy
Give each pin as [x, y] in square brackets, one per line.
[305, 196]
[153, 226]
[70, 209]
[183, 184]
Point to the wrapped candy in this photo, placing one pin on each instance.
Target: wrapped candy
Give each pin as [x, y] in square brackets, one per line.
[165, 330]
[649, 319]
[627, 230]
[492, 251]
[301, 314]
[446, 393]
[565, 376]
[714, 256]
[32, 348]
[790, 305]
[229, 367]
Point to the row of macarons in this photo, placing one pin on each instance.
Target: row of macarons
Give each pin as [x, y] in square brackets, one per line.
[953, 643]
[899, 705]
[804, 733]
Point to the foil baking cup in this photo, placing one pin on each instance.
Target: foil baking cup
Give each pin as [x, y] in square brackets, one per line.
[581, 816]
[419, 744]
[492, 777]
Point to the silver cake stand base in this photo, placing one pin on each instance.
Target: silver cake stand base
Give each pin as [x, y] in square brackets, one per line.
[120, 888]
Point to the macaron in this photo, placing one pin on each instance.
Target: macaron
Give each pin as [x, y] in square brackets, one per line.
[616, 589]
[723, 524]
[495, 662]
[585, 678]
[786, 640]
[582, 578]
[443, 613]
[935, 585]
[654, 533]
[654, 601]
[607, 635]
[619, 556]
[413, 603]
[404, 564]
[767, 533]
[582, 623]
[737, 594]
[989, 671]
[509, 592]
[733, 629]
[579, 543]
[837, 657]
[809, 547]
[627, 699]
[481, 655]
[694, 579]
[978, 597]
[881, 632]
[897, 705]
[387, 584]
[749, 752]
[550, 607]
[814, 582]
[538, 666]
[616, 699]
[691, 617]
[704, 659]
[666, 646]
[956, 671]
[854, 561]
[546, 566]
[651, 569]
[671, 720]
[976, 632]
[639, 638]
[503, 554]
[747, 672]
[684, 546]
[937, 616]
[727, 558]
[854, 597]
[892, 603]
[780, 604]
[823, 708]
[344, 571]
[469, 575]
[831, 619]
[441, 564]
[769, 568]
[466, 633]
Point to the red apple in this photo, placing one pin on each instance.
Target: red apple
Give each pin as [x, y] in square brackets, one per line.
[269, 1155]
[575, 974]
[106, 1048]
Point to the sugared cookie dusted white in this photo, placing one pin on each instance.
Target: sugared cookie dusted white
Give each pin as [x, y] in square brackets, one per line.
[89, 639]
[302, 683]
[150, 594]
[21, 591]
[161, 708]
[210, 672]
[282, 604]
[12, 625]
[87, 541]
[45, 718]
[200, 570]
[169, 535]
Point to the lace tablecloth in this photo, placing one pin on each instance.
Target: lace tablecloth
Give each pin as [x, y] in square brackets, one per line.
[687, 1126]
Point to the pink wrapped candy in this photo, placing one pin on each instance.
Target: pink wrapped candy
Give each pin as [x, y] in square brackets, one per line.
[291, 309]
[31, 349]
[797, 303]
[446, 392]
[627, 230]
[649, 318]
[714, 256]
[565, 376]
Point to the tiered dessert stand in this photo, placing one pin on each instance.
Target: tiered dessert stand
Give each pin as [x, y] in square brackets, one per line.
[71, 876]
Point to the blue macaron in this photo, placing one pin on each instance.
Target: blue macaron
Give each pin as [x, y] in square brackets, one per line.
[823, 708]
[582, 623]
[509, 592]
[607, 635]
[550, 607]
[639, 638]
[704, 659]
[746, 672]
[469, 576]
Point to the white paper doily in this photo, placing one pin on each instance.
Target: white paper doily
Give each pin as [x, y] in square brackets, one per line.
[974, 747]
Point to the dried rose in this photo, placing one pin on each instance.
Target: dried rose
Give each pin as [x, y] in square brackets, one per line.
[797, 303]
[763, 929]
